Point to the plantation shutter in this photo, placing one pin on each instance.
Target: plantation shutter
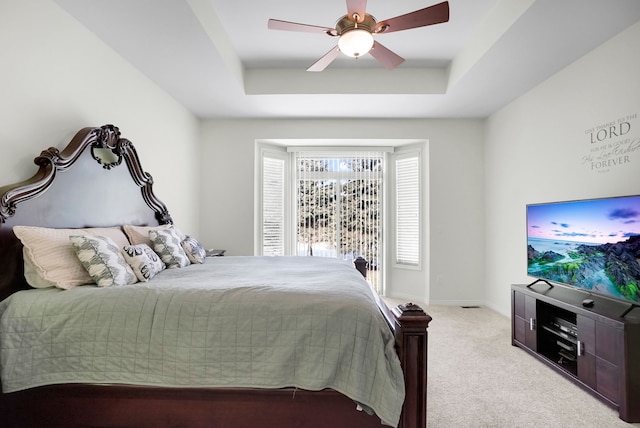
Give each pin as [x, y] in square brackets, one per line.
[273, 215]
[407, 210]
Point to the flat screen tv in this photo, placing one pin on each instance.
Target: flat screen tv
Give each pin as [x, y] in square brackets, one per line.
[591, 244]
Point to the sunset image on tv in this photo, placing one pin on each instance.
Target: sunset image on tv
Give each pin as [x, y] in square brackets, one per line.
[592, 244]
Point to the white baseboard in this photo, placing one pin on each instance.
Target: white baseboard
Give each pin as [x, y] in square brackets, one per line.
[494, 309]
[407, 298]
[457, 302]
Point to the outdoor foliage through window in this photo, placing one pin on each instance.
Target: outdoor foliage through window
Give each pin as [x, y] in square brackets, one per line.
[339, 206]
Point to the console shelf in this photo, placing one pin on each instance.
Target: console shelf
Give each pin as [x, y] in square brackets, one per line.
[597, 347]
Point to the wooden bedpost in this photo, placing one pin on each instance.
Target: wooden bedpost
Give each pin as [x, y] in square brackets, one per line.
[361, 265]
[411, 324]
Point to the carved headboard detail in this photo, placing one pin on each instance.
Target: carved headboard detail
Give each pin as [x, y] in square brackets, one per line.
[83, 185]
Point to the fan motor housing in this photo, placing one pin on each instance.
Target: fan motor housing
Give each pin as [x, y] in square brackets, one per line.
[346, 24]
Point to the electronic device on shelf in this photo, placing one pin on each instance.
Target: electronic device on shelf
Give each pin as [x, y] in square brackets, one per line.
[565, 326]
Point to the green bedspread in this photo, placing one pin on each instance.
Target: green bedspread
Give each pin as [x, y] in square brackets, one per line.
[266, 322]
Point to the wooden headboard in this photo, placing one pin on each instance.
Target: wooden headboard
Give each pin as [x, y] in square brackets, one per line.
[84, 185]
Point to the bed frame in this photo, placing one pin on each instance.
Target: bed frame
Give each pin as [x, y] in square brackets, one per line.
[91, 194]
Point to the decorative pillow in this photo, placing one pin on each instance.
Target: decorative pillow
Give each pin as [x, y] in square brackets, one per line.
[103, 261]
[140, 234]
[195, 251]
[49, 257]
[166, 242]
[143, 260]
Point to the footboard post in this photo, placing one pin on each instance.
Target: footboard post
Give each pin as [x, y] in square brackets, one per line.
[411, 341]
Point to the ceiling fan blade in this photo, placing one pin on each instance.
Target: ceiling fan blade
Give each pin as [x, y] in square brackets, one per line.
[276, 24]
[358, 7]
[387, 58]
[324, 62]
[435, 14]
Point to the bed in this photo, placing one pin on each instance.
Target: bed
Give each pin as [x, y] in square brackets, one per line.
[224, 341]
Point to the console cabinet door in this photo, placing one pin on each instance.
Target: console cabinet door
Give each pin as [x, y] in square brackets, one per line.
[587, 350]
[609, 351]
[517, 318]
[524, 320]
[531, 335]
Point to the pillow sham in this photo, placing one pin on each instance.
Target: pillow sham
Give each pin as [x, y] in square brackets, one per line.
[195, 251]
[140, 234]
[143, 260]
[166, 243]
[32, 275]
[50, 259]
[103, 261]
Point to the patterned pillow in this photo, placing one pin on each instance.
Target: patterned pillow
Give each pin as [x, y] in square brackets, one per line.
[140, 234]
[103, 261]
[143, 260]
[194, 250]
[166, 242]
[50, 259]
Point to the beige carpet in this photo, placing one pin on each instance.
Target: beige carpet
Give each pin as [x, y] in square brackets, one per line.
[476, 378]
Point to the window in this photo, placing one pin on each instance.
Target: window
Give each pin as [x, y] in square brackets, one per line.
[272, 234]
[329, 202]
[407, 213]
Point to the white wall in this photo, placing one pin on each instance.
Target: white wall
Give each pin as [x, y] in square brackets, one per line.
[455, 197]
[536, 149]
[56, 77]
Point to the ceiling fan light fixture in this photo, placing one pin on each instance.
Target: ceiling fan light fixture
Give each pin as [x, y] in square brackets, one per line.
[355, 32]
[356, 42]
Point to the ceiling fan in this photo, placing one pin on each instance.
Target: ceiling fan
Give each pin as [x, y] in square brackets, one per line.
[355, 31]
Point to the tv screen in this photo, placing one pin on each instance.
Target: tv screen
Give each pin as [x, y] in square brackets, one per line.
[589, 244]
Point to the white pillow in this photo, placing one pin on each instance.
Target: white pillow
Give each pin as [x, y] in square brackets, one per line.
[32, 273]
[49, 257]
[143, 260]
[166, 243]
[102, 259]
[195, 251]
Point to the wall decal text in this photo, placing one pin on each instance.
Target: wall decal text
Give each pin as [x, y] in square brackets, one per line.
[612, 144]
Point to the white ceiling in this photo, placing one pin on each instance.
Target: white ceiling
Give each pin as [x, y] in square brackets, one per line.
[218, 58]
